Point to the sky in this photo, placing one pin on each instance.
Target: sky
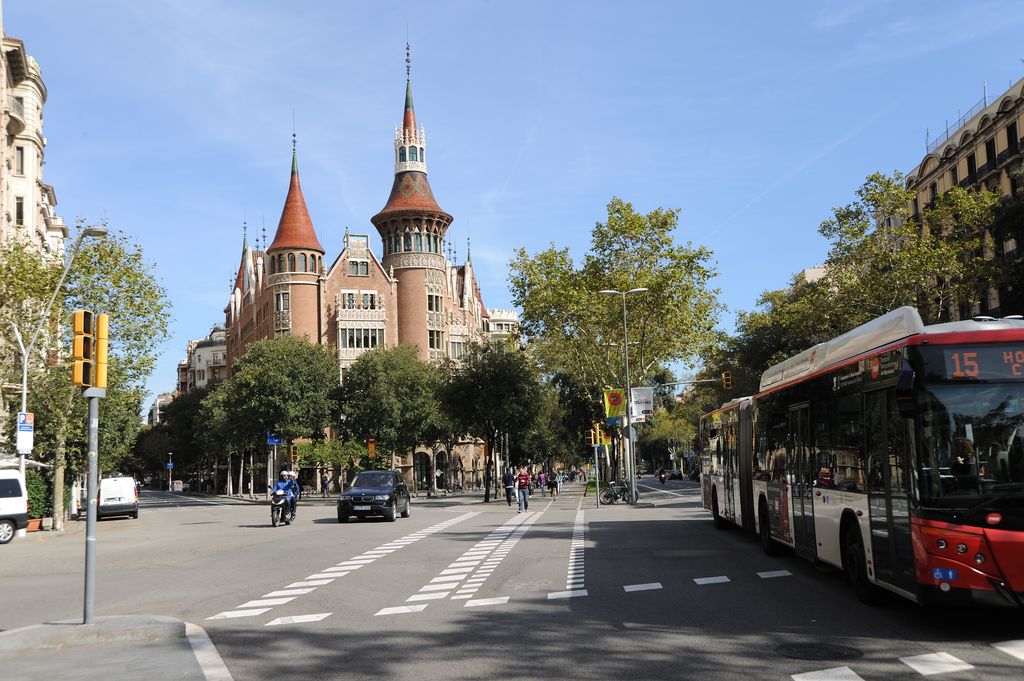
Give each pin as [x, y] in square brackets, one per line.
[172, 120]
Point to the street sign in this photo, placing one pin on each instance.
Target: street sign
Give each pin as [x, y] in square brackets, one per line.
[26, 431]
[613, 421]
[170, 466]
[273, 439]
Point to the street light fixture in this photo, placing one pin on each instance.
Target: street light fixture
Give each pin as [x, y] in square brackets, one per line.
[26, 350]
[630, 462]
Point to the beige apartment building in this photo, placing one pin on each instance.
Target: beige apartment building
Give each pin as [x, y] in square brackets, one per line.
[27, 204]
[982, 150]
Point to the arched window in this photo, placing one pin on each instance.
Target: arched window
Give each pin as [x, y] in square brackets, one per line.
[280, 262]
[417, 241]
[315, 262]
[412, 154]
[408, 241]
[271, 265]
[423, 156]
[401, 154]
[302, 262]
[291, 262]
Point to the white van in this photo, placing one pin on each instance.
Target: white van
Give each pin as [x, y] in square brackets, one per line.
[13, 504]
[118, 496]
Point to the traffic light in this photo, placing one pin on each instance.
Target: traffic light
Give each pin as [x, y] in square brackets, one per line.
[293, 451]
[82, 348]
[590, 438]
[102, 328]
[726, 380]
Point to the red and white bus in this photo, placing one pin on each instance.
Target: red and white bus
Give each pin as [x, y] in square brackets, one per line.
[893, 452]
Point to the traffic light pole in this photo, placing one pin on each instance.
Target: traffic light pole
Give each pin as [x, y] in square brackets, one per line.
[597, 477]
[93, 395]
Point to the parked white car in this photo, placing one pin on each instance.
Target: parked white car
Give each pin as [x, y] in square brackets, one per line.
[13, 504]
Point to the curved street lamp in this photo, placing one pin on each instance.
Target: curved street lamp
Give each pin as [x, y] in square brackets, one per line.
[630, 460]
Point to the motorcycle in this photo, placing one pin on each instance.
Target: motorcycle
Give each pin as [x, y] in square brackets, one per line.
[662, 476]
[280, 509]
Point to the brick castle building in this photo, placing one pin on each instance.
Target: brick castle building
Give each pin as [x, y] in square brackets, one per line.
[413, 295]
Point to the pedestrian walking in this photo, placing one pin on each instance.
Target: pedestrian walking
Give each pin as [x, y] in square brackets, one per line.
[325, 482]
[509, 481]
[553, 483]
[523, 483]
[542, 480]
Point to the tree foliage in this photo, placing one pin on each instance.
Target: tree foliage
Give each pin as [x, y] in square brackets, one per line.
[571, 325]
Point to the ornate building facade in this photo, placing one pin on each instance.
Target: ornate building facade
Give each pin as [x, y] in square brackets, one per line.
[414, 294]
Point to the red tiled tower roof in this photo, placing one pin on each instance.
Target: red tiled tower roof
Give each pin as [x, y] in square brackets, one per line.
[295, 229]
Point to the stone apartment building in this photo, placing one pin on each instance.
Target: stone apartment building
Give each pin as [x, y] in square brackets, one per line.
[411, 294]
[981, 150]
[205, 363]
[27, 204]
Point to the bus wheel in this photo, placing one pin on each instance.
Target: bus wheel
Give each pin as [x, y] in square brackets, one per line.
[856, 567]
[719, 520]
[764, 531]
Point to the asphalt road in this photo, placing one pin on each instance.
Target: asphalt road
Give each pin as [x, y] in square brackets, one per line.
[463, 590]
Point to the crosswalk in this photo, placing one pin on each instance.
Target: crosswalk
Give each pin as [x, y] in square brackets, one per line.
[927, 664]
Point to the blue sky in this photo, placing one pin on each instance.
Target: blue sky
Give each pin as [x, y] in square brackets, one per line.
[173, 120]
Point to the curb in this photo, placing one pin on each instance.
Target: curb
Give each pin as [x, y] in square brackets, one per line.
[74, 634]
[207, 657]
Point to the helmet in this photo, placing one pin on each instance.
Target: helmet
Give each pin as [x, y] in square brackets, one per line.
[284, 474]
[293, 474]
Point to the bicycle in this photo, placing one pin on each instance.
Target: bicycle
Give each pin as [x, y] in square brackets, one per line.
[454, 490]
[618, 490]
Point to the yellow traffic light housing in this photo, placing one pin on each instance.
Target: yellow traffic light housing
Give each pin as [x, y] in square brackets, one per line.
[590, 438]
[726, 380]
[294, 452]
[102, 330]
[82, 371]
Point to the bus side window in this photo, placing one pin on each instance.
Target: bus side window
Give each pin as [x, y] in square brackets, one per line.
[849, 444]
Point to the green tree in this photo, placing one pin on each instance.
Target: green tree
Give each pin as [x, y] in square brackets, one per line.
[182, 420]
[284, 386]
[108, 276]
[571, 325]
[389, 394]
[496, 390]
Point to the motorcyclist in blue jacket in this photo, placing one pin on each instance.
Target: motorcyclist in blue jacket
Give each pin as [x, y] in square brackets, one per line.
[290, 488]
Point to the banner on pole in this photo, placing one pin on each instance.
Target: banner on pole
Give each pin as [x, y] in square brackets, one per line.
[641, 402]
[614, 403]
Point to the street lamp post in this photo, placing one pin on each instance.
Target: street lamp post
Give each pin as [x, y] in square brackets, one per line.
[26, 350]
[629, 454]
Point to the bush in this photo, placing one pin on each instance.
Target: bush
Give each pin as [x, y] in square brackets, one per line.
[40, 503]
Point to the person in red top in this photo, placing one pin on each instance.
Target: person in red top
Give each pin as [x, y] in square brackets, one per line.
[523, 488]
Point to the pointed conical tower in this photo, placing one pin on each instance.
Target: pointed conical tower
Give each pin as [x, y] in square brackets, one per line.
[294, 262]
[412, 227]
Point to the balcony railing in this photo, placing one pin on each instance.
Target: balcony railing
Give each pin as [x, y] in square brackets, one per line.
[960, 122]
[16, 111]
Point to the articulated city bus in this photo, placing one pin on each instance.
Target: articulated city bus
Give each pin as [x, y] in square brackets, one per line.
[893, 452]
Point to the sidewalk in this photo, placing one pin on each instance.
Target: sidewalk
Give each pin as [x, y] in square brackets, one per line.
[128, 647]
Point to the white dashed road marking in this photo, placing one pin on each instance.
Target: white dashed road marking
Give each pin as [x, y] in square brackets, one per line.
[1014, 648]
[298, 619]
[774, 573]
[289, 592]
[340, 570]
[935, 663]
[834, 674]
[232, 614]
[642, 587]
[574, 579]
[566, 594]
[401, 609]
[477, 602]
[712, 580]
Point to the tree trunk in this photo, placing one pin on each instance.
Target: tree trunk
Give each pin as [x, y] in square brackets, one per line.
[227, 483]
[252, 475]
[241, 473]
[216, 461]
[58, 477]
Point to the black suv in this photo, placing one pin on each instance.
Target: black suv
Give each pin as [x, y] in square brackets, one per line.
[377, 493]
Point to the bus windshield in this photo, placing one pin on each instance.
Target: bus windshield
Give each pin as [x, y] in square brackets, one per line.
[971, 447]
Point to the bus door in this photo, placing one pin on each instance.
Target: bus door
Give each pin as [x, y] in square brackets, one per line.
[729, 473]
[888, 503]
[803, 473]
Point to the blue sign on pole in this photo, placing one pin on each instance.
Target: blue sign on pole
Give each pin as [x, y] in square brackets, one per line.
[170, 466]
[274, 439]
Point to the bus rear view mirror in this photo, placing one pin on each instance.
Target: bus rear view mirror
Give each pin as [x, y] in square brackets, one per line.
[905, 392]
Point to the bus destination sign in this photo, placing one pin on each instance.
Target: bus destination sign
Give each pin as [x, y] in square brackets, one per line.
[984, 363]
